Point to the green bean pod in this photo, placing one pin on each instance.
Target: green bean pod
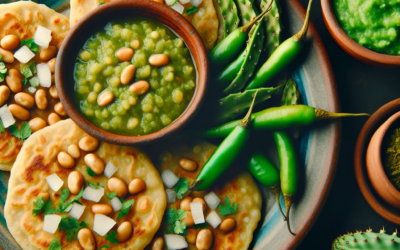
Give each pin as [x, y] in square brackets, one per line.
[288, 169]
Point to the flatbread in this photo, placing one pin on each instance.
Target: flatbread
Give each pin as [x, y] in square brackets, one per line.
[205, 20]
[236, 184]
[38, 160]
[22, 19]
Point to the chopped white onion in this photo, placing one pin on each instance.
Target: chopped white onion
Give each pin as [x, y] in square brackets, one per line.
[42, 36]
[178, 7]
[93, 194]
[32, 89]
[169, 178]
[196, 2]
[44, 74]
[213, 219]
[102, 224]
[51, 222]
[170, 2]
[197, 212]
[116, 204]
[171, 195]
[6, 117]
[55, 183]
[212, 200]
[175, 241]
[110, 169]
[24, 54]
[184, 1]
[77, 211]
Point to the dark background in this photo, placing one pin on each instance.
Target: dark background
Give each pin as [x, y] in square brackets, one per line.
[361, 88]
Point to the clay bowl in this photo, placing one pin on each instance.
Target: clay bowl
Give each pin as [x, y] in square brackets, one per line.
[96, 20]
[375, 193]
[350, 46]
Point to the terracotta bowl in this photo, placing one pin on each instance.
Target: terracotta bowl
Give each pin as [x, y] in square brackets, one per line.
[375, 193]
[375, 169]
[97, 20]
[350, 46]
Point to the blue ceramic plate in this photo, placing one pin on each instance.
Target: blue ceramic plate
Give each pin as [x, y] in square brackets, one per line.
[318, 146]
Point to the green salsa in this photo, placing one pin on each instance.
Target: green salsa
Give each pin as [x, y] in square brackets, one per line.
[374, 24]
[98, 72]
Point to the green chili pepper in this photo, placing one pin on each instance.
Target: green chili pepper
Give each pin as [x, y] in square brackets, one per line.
[274, 119]
[225, 154]
[226, 76]
[282, 56]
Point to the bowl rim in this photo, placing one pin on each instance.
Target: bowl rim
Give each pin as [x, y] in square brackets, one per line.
[348, 44]
[202, 75]
[363, 140]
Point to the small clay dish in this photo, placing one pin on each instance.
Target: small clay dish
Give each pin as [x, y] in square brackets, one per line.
[350, 46]
[97, 20]
[375, 186]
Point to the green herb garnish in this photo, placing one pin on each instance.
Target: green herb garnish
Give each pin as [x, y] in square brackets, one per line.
[55, 245]
[38, 205]
[191, 10]
[101, 2]
[105, 246]
[71, 225]
[111, 237]
[24, 82]
[2, 128]
[3, 70]
[173, 3]
[227, 208]
[181, 187]
[111, 195]
[179, 227]
[34, 81]
[30, 43]
[48, 208]
[173, 218]
[90, 171]
[24, 133]
[62, 208]
[201, 226]
[126, 206]
[94, 185]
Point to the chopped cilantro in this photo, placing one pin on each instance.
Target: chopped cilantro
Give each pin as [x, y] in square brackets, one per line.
[48, 208]
[55, 245]
[201, 226]
[2, 128]
[38, 205]
[179, 227]
[63, 207]
[126, 206]
[111, 237]
[101, 3]
[173, 218]
[173, 3]
[3, 71]
[34, 81]
[90, 172]
[28, 70]
[94, 185]
[191, 10]
[227, 208]
[70, 225]
[105, 246]
[181, 187]
[111, 195]
[30, 43]
[24, 133]
[64, 194]
[24, 82]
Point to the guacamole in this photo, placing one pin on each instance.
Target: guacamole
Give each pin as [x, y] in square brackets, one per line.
[134, 77]
[373, 24]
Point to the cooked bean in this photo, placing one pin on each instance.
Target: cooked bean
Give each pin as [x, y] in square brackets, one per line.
[37, 124]
[201, 200]
[187, 164]
[75, 182]
[52, 65]
[10, 42]
[73, 151]
[135, 44]
[124, 231]
[53, 92]
[204, 239]
[140, 87]
[125, 54]
[95, 163]
[158, 60]
[88, 143]
[136, 186]
[4, 94]
[158, 244]
[191, 236]
[155, 35]
[44, 195]
[19, 112]
[65, 160]
[59, 108]
[105, 98]
[13, 80]
[177, 96]
[24, 99]
[227, 225]
[185, 203]
[47, 54]
[127, 74]
[8, 56]
[41, 99]
[115, 184]
[53, 118]
[102, 209]
[86, 239]
[188, 220]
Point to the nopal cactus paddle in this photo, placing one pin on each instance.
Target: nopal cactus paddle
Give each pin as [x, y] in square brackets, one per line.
[272, 25]
[230, 15]
[247, 11]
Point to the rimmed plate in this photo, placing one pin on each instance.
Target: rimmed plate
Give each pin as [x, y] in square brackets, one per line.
[319, 147]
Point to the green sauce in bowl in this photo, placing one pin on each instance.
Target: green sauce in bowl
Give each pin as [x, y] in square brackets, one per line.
[374, 24]
[98, 69]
